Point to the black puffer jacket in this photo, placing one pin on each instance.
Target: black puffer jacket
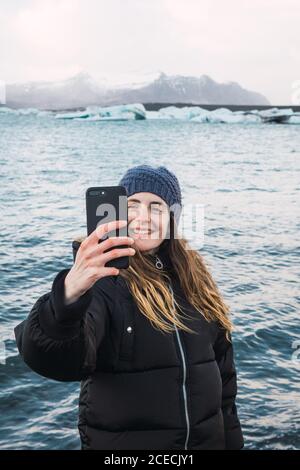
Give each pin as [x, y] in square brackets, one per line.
[140, 388]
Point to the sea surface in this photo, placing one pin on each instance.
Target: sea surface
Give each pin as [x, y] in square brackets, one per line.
[247, 179]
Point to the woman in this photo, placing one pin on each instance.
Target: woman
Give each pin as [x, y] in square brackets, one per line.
[151, 344]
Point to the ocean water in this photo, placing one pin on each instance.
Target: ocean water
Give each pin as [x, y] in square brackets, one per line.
[246, 176]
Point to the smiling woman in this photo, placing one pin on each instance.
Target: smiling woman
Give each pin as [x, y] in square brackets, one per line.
[151, 346]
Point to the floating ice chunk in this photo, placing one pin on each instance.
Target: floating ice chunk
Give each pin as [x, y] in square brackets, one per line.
[73, 115]
[196, 112]
[276, 111]
[44, 113]
[203, 117]
[5, 110]
[117, 113]
[137, 111]
[185, 113]
[294, 119]
[27, 111]
[153, 115]
[24, 111]
[171, 112]
[251, 118]
[105, 118]
[276, 115]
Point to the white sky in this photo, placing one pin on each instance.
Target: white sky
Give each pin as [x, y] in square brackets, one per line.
[253, 42]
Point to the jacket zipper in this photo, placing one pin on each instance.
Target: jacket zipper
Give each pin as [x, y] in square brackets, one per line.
[159, 265]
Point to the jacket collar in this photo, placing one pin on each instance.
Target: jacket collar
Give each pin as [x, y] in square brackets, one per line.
[162, 254]
[161, 257]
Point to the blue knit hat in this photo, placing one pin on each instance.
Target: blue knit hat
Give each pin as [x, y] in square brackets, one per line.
[159, 181]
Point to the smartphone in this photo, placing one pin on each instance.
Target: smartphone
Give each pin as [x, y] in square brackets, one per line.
[105, 204]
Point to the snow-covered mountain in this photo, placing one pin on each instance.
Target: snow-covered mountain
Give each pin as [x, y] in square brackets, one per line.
[183, 89]
[74, 92]
[82, 90]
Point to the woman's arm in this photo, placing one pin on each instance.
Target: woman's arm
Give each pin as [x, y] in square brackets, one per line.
[224, 354]
[60, 341]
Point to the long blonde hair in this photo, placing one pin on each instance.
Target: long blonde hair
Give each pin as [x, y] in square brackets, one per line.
[149, 287]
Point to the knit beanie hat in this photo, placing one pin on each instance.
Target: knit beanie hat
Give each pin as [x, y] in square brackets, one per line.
[156, 180]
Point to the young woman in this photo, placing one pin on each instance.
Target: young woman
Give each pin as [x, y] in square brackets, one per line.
[151, 344]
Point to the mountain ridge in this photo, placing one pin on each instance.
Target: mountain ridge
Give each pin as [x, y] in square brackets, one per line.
[83, 90]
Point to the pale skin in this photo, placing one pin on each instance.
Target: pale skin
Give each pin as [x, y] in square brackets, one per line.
[148, 217]
[147, 211]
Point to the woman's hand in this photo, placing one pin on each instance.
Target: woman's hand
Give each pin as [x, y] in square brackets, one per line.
[90, 260]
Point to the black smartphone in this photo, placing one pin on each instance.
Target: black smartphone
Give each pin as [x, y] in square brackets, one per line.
[105, 204]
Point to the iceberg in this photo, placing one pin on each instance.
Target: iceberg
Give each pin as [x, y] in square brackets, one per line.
[137, 111]
[295, 119]
[5, 110]
[24, 111]
[108, 113]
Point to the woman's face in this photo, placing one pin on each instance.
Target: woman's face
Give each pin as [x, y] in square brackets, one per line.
[148, 220]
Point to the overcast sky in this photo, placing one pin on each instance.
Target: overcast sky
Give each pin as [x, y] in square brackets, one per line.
[253, 42]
